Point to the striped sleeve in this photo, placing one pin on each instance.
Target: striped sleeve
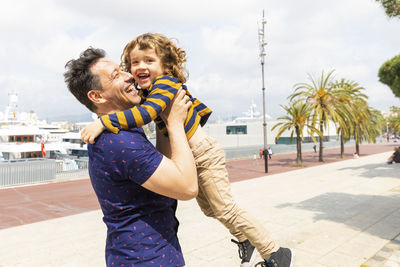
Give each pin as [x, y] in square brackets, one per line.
[201, 109]
[161, 126]
[192, 122]
[162, 91]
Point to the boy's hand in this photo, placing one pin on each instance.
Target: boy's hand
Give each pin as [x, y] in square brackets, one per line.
[176, 111]
[91, 131]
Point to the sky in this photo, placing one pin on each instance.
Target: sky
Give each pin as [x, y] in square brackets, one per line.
[352, 37]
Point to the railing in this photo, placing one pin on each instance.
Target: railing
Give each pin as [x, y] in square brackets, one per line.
[17, 172]
[75, 169]
[32, 171]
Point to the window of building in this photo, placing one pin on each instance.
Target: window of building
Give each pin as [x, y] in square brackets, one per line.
[236, 129]
[21, 138]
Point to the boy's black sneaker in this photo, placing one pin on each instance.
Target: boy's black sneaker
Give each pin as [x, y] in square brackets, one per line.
[283, 257]
[247, 252]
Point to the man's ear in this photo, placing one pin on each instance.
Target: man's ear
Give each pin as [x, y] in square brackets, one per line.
[96, 97]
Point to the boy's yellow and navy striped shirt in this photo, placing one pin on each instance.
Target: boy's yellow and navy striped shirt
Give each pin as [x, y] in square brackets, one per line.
[154, 101]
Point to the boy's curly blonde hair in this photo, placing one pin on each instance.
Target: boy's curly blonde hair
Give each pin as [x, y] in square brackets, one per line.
[172, 57]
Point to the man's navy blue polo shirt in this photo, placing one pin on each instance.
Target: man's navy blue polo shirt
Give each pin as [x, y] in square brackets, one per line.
[141, 225]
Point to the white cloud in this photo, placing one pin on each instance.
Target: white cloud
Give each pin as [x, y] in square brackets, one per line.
[353, 37]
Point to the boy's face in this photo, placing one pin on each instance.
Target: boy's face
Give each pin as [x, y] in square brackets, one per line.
[145, 66]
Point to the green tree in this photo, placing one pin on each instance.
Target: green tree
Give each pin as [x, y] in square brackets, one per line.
[297, 118]
[323, 101]
[396, 124]
[389, 74]
[347, 94]
[394, 120]
[392, 7]
[366, 126]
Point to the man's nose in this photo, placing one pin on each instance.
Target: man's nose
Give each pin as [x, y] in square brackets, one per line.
[128, 76]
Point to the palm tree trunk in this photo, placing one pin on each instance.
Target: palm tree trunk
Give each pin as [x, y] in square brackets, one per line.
[298, 144]
[341, 143]
[357, 147]
[321, 142]
[357, 141]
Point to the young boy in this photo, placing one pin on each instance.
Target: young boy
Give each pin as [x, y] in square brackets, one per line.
[156, 64]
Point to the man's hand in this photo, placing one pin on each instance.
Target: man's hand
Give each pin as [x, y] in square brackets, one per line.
[91, 131]
[176, 111]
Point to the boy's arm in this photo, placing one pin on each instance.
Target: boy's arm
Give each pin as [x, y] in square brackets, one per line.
[161, 94]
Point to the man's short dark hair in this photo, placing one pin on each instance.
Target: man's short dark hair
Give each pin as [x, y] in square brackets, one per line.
[80, 80]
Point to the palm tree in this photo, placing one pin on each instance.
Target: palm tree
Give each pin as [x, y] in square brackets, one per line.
[320, 96]
[394, 119]
[296, 120]
[366, 126]
[396, 124]
[347, 93]
[375, 125]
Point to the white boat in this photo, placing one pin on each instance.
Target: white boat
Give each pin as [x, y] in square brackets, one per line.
[73, 144]
[23, 136]
[24, 142]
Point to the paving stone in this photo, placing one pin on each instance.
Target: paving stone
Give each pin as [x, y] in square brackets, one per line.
[303, 212]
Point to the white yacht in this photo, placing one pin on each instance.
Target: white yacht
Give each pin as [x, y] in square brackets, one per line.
[23, 142]
[73, 144]
[22, 136]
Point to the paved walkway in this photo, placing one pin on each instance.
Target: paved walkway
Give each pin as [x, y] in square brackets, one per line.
[345, 213]
[29, 204]
[246, 168]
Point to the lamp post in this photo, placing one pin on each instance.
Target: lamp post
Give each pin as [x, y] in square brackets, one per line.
[262, 43]
[387, 131]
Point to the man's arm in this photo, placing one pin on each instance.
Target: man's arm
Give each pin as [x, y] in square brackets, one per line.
[176, 177]
[162, 143]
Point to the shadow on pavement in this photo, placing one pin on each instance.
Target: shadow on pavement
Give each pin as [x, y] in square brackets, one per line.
[377, 170]
[374, 214]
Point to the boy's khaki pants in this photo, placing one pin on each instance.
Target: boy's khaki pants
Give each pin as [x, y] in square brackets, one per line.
[215, 199]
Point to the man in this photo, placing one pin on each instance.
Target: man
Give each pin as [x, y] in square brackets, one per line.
[136, 185]
[395, 157]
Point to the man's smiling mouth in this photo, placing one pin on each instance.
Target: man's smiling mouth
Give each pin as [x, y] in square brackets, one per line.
[130, 89]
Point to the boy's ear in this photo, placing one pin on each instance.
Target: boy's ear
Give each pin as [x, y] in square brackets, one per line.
[96, 97]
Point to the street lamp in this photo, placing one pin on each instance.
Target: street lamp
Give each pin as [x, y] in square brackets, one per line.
[262, 43]
[387, 131]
